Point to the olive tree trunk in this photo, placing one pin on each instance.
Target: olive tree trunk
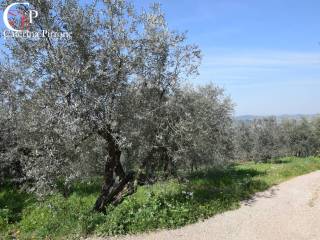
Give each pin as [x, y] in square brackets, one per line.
[116, 184]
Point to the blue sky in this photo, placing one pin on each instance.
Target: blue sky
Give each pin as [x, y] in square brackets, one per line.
[264, 53]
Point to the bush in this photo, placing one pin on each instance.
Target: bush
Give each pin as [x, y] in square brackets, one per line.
[156, 210]
[4, 218]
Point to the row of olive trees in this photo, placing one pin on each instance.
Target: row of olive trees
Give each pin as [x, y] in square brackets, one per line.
[264, 139]
[109, 101]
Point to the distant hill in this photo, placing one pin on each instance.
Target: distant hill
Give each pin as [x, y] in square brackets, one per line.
[279, 117]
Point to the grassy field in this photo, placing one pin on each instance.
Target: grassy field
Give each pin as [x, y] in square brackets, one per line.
[165, 205]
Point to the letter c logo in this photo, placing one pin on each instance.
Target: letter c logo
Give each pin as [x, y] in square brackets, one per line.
[5, 16]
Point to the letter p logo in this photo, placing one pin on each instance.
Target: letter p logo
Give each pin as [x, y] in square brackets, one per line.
[33, 14]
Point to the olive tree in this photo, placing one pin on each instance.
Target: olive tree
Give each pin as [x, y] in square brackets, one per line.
[203, 131]
[316, 124]
[244, 140]
[10, 164]
[117, 67]
[301, 136]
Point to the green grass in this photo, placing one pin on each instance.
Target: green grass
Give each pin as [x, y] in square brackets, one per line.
[164, 205]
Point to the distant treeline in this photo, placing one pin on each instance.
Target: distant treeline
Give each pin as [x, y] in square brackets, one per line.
[266, 138]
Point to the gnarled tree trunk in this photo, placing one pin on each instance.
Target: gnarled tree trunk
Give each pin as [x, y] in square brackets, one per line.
[117, 184]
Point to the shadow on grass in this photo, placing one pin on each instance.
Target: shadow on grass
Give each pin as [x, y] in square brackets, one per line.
[205, 194]
[13, 201]
[231, 185]
[280, 161]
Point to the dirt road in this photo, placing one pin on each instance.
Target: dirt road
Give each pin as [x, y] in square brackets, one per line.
[289, 211]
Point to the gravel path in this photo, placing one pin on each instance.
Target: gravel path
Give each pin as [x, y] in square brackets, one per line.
[289, 211]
